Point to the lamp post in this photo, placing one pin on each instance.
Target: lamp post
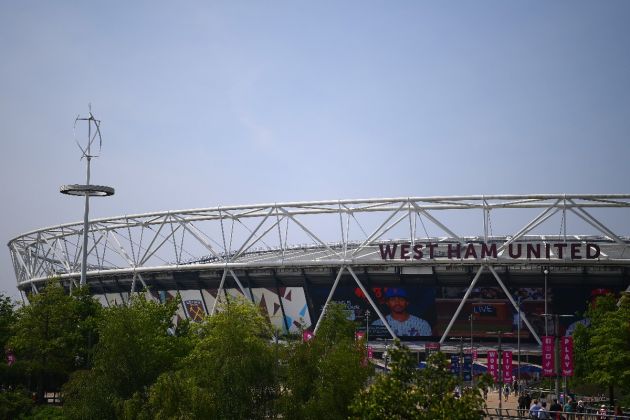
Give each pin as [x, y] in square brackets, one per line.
[471, 317]
[367, 327]
[461, 359]
[88, 190]
[518, 344]
[546, 271]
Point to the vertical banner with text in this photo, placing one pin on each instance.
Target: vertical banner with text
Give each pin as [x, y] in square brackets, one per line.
[507, 367]
[547, 355]
[493, 364]
[566, 356]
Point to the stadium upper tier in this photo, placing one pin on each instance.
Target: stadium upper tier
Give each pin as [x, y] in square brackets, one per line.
[393, 235]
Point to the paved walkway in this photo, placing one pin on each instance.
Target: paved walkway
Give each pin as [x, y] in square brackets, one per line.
[493, 400]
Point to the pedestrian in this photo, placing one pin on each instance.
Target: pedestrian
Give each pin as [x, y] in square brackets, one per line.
[602, 413]
[528, 401]
[521, 402]
[506, 391]
[580, 408]
[555, 410]
[569, 408]
[533, 410]
[542, 412]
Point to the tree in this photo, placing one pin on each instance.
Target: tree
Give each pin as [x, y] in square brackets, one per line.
[8, 318]
[604, 347]
[230, 373]
[324, 374]
[50, 335]
[408, 393]
[134, 347]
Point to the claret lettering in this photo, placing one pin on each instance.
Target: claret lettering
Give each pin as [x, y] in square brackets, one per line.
[474, 251]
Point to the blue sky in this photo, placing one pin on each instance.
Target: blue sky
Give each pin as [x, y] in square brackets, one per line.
[235, 102]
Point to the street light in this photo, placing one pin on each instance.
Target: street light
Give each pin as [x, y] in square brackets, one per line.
[461, 360]
[518, 345]
[88, 190]
[367, 327]
[471, 317]
[546, 271]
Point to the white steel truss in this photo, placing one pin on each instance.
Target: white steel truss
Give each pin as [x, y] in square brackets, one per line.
[339, 234]
[320, 233]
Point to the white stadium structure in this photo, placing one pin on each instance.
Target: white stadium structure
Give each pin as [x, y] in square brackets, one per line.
[466, 265]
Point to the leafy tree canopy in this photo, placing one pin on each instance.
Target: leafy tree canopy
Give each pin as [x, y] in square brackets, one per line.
[409, 393]
[603, 348]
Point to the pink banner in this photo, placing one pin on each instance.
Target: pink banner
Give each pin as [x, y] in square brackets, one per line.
[566, 356]
[370, 352]
[547, 355]
[493, 364]
[507, 367]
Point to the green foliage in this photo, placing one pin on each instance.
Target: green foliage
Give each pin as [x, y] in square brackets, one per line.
[603, 349]
[88, 395]
[408, 393]
[324, 374]
[134, 348]
[230, 373]
[8, 317]
[15, 403]
[53, 335]
[47, 413]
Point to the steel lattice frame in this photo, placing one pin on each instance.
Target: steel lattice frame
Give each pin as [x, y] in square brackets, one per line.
[273, 235]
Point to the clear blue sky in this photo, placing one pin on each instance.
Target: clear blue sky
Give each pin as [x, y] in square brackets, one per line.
[236, 102]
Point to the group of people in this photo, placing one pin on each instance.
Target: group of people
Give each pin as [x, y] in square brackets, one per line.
[537, 409]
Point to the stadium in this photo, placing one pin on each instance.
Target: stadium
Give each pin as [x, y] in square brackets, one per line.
[461, 267]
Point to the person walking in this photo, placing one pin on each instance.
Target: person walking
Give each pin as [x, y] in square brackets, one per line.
[542, 412]
[533, 410]
[602, 413]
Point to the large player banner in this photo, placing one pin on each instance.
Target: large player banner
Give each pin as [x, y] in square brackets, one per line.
[507, 367]
[493, 364]
[566, 356]
[547, 355]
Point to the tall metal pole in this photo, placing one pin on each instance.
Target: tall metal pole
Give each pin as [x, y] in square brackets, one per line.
[461, 363]
[472, 353]
[86, 213]
[500, 361]
[518, 341]
[367, 328]
[546, 312]
[88, 189]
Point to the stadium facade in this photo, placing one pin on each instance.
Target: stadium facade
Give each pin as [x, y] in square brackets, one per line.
[460, 267]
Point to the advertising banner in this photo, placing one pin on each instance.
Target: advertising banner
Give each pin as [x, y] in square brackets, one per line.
[493, 364]
[566, 355]
[489, 309]
[409, 310]
[507, 367]
[370, 352]
[548, 368]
